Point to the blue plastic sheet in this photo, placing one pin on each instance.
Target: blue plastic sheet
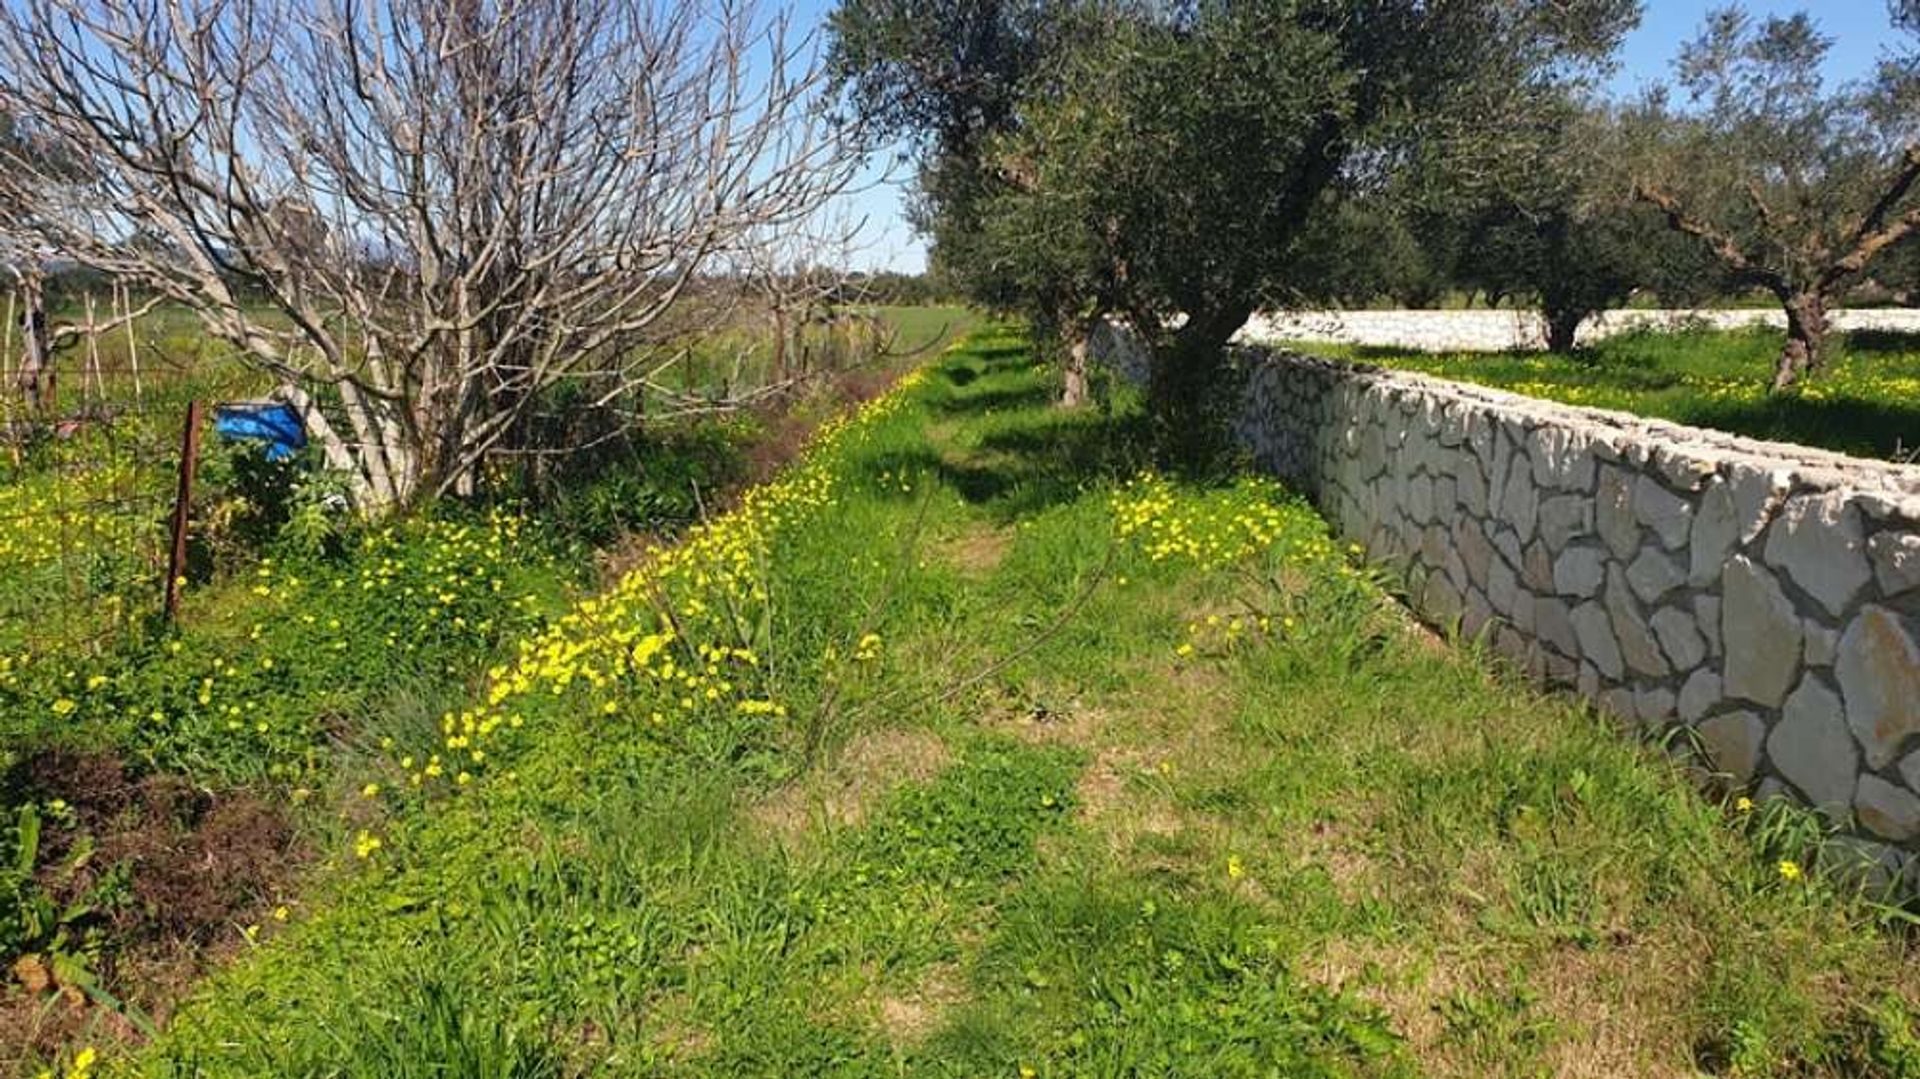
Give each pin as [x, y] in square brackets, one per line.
[277, 425]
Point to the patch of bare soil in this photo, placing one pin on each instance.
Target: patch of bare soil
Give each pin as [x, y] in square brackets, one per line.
[906, 1019]
[672, 1032]
[977, 551]
[1601, 1016]
[1108, 799]
[842, 794]
[1071, 724]
[152, 879]
[1340, 848]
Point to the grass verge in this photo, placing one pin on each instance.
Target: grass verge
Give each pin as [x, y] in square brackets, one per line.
[1866, 403]
[966, 748]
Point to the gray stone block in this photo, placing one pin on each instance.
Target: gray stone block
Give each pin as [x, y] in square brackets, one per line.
[1715, 532]
[1564, 518]
[1699, 695]
[1896, 561]
[1579, 571]
[1654, 573]
[1613, 512]
[1679, 638]
[1886, 810]
[1597, 643]
[1813, 749]
[1818, 541]
[1637, 644]
[1879, 671]
[1667, 514]
[1760, 631]
[1732, 743]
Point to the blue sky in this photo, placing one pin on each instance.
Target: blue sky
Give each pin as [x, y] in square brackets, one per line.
[1859, 29]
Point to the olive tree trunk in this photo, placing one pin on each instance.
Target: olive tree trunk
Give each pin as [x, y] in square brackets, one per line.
[1805, 350]
[1563, 326]
[1073, 365]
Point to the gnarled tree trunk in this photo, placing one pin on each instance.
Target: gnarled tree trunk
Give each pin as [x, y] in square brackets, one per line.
[1185, 371]
[1563, 326]
[1073, 366]
[1805, 350]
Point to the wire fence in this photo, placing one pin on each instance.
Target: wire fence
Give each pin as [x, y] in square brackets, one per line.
[90, 446]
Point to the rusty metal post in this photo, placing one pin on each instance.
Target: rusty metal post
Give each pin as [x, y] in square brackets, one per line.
[182, 506]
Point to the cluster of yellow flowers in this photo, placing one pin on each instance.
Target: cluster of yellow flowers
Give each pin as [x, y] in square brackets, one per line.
[60, 512]
[1218, 633]
[678, 631]
[80, 1067]
[414, 585]
[1210, 530]
[1219, 527]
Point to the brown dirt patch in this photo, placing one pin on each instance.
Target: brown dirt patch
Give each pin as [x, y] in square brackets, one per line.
[1339, 846]
[1109, 800]
[171, 874]
[977, 551]
[907, 1018]
[1609, 1012]
[1618, 1012]
[842, 794]
[1072, 724]
[672, 1032]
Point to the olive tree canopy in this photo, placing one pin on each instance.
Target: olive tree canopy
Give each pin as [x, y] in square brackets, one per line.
[1796, 186]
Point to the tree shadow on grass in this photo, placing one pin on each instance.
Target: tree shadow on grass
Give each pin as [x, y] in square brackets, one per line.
[1877, 429]
[995, 399]
[1048, 460]
[1883, 342]
[1031, 457]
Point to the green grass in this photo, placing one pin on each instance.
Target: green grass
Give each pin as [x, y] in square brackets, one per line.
[1081, 773]
[1866, 403]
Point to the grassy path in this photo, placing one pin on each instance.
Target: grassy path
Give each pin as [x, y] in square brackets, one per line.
[1032, 768]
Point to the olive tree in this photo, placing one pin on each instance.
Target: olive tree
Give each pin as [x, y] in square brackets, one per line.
[952, 78]
[451, 209]
[1795, 186]
[1209, 137]
[1552, 223]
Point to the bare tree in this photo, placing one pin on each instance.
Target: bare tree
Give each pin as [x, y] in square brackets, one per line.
[796, 279]
[448, 206]
[1794, 186]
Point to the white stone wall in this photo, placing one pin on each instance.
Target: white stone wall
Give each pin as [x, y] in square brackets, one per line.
[1764, 596]
[1496, 331]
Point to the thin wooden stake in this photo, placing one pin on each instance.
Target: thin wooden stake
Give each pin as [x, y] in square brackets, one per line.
[6, 349]
[182, 508]
[94, 374]
[123, 308]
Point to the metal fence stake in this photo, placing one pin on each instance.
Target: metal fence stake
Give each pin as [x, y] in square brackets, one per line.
[182, 504]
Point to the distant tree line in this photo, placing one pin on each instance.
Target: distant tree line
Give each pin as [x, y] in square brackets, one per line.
[1182, 166]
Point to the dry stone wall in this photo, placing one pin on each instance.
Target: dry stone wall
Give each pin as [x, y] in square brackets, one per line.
[1765, 597]
[1494, 331]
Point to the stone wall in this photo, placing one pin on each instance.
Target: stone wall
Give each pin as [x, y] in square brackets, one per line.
[1765, 597]
[1495, 331]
